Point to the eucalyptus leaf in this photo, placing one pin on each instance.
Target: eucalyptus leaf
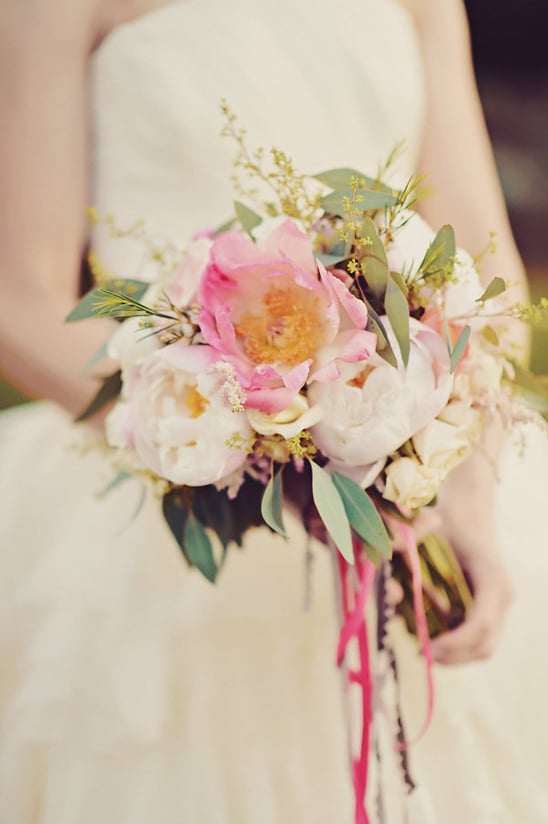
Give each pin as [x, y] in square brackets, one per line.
[440, 255]
[87, 307]
[271, 505]
[490, 335]
[362, 514]
[397, 310]
[460, 346]
[175, 508]
[495, 288]
[334, 203]
[332, 511]
[224, 227]
[98, 356]
[110, 389]
[374, 264]
[400, 282]
[118, 479]
[198, 548]
[340, 179]
[329, 260]
[246, 216]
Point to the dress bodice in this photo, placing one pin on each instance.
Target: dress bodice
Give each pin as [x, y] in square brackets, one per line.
[332, 82]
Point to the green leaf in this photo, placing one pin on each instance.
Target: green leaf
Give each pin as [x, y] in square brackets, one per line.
[198, 548]
[375, 324]
[362, 514]
[496, 287]
[374, 263]
[176, 507]
[490, 335]
[246, 216]
[271, 505]
[329, 260]
[399, 281]
[440, 255]
[116, 481]
[333, 203]
[397, 310]
[460, 346]
[87, 307]
[98, 356]
[224, 227]
[332, 511]
[340, 179]
[109, 390]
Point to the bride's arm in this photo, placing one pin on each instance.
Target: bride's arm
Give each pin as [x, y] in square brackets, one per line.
[458, 161]
[44, 55]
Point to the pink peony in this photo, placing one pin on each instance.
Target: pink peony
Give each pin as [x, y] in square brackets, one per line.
[278, 316]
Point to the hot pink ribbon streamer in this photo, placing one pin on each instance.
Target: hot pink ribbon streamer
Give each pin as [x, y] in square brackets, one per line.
[354, 627]
[408, 537]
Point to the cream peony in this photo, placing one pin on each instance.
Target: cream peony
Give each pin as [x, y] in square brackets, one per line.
[373, 408]
[175, 414]
[410, 484]
[289, 422]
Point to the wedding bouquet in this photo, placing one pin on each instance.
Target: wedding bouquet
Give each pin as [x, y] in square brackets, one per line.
[324, 350]
[320, 344]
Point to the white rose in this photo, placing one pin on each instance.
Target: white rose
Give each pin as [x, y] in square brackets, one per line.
[178, 417]
[371, 410]
[410, 484]
[289, 422]
[460, 413]
[441, 445]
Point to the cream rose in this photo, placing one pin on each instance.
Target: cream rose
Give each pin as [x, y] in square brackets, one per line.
[441, 445]
[287, 423]
[410, 484]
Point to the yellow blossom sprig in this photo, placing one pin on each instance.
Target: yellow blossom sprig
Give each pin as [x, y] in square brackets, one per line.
[292, 195]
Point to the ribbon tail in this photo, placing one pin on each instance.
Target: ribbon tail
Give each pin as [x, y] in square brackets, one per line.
[410, 542]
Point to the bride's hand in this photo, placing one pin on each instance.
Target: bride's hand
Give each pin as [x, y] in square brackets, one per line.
[467, 508]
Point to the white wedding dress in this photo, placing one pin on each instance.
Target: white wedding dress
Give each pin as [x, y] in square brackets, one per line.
[131, 690]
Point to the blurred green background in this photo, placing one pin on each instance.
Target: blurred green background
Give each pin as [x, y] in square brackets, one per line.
[511, 62]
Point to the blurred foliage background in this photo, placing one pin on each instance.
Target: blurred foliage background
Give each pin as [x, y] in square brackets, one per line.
[511, 59]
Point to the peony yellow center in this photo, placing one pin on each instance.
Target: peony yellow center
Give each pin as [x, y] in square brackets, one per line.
[288, 329]
[195, 403]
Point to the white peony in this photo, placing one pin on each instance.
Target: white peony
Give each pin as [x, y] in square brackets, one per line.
[175, 413]
[410, 484]
[131, 343]
[372, 409]
[289, 422]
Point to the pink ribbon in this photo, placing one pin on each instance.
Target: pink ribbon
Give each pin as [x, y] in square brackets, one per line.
[408, 537]
[355, 627]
